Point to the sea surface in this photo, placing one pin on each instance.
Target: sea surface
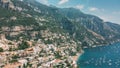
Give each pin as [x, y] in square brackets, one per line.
[101, 57]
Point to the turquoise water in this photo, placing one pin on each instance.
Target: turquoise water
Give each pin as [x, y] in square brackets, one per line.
[101, 57]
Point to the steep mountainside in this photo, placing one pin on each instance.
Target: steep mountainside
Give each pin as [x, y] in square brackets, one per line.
[31, 17]
[109, 31]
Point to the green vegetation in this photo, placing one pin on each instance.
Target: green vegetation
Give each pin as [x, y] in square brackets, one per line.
[85, 44]
[55, 21]
[57, 55]
[12, 49]
[1, 49]
[59, 21]
[13, 61]
[23, 45]
[15, 57]
[48, 42]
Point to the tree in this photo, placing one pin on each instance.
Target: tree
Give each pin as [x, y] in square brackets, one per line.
[15, 57]
[1, 49]
[13, 61]
[85, 44]
[23, 45]
[57, 55]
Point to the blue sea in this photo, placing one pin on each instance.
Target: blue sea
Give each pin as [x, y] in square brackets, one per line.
[101, 57]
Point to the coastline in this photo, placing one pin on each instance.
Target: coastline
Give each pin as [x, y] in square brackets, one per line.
[76, 58]
[107, 45]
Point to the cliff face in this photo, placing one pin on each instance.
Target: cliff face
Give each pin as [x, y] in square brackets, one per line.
[109, 31]
[7, 4]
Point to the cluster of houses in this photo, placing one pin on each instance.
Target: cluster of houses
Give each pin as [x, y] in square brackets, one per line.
[39, 54]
